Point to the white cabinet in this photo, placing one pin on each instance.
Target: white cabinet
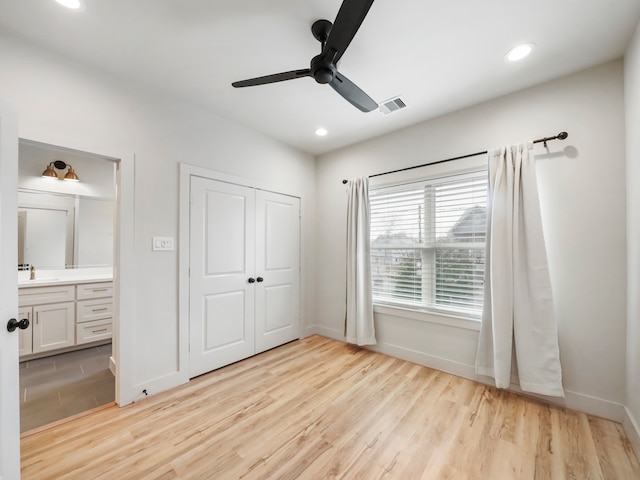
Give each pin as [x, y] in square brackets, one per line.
[43, 295]
[53, 326]
[63, 316]
[51, 314]
[95, 290]
[94, 317]
[26, 336]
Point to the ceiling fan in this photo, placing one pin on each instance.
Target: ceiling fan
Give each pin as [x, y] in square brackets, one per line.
[335, 38]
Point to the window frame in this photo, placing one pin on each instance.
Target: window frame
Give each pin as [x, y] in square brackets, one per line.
[441, 314]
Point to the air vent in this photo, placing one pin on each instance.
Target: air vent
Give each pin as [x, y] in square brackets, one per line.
[392, 105]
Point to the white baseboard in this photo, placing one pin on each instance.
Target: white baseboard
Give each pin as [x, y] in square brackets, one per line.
[112, 365]
[156, 385]
[421, 358]
[573, 400]
[325, 332]
[633, 430]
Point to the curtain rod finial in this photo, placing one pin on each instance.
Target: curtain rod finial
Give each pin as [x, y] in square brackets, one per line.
[344, 182]
[563, 135]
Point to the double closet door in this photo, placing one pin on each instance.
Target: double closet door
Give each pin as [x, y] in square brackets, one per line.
[244, 272]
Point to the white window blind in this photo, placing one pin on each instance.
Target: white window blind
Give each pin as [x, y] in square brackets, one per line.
[428, 243]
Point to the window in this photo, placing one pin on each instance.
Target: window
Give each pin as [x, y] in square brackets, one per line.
[428, 243]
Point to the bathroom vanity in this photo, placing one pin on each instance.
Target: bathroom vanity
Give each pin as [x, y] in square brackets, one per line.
[65, 314]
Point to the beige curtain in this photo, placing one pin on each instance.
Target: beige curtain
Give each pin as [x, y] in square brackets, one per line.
[358, 325]
[518, 305]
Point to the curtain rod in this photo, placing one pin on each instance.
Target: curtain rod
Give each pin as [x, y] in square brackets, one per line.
[560, 136]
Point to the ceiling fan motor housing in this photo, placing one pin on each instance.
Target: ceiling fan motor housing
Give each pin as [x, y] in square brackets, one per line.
[322, 71]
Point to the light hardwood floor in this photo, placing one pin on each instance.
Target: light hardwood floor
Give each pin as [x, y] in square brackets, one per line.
[318, 408]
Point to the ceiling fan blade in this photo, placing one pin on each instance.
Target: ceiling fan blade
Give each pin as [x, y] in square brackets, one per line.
[348, 21]
[276, 77]
[352, 93]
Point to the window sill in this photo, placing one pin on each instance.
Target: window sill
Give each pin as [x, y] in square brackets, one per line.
[429, 317]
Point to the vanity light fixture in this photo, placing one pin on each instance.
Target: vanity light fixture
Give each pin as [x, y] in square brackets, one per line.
[71, 175]
[50, 172]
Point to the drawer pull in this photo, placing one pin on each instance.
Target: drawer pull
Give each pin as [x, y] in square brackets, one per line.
[99, 289]
[98, 331]
[99, 309]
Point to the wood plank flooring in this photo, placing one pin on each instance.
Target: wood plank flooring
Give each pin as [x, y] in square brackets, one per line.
[318, 408]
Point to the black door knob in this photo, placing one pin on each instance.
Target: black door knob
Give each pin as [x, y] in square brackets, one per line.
[252, 280]
[260, 279]
[13, 324]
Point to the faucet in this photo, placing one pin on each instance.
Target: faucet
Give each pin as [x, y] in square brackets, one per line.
[32, 276]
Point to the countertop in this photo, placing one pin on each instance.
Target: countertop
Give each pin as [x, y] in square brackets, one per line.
[47, 282]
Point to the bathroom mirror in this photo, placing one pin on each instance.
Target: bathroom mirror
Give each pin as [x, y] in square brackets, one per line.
[64, 231]
[45, 236]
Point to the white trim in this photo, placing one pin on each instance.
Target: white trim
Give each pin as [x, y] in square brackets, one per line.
[124, 271]
[9, 376]
[421, 358]
[112, 365]
[325, 332]
[184, 203]
[573, 400]
[429, 317]
[158, 385]
[124, 276]
[427, 172]
[633, 430]
[188, 170]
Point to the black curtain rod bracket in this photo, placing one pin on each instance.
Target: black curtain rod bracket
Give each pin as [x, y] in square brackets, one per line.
[560, 136]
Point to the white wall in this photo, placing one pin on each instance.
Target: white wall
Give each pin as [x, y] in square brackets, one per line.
[582, 189]
[94, 234]
[60, 103]
[632, 102]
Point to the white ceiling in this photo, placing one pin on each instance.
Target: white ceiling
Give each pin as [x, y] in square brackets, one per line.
[440, 56]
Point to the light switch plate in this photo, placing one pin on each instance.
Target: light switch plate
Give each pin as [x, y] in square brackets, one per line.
[161, 244]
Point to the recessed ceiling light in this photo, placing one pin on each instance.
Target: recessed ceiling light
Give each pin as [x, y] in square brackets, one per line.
[321, 132]
[73, 4]
[519, 52]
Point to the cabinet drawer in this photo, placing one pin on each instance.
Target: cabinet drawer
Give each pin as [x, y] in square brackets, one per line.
[93, 331]
[95, 290]
[89, 310]
[41, 295]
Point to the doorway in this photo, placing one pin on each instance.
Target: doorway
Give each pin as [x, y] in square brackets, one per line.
[67, 361]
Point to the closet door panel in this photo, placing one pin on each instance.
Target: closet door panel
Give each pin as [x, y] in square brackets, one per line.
[222, 259]
[277, 311]
[278, 265]
[218, 332]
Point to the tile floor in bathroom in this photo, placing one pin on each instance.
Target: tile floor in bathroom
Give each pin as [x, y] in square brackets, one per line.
[63, 385]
